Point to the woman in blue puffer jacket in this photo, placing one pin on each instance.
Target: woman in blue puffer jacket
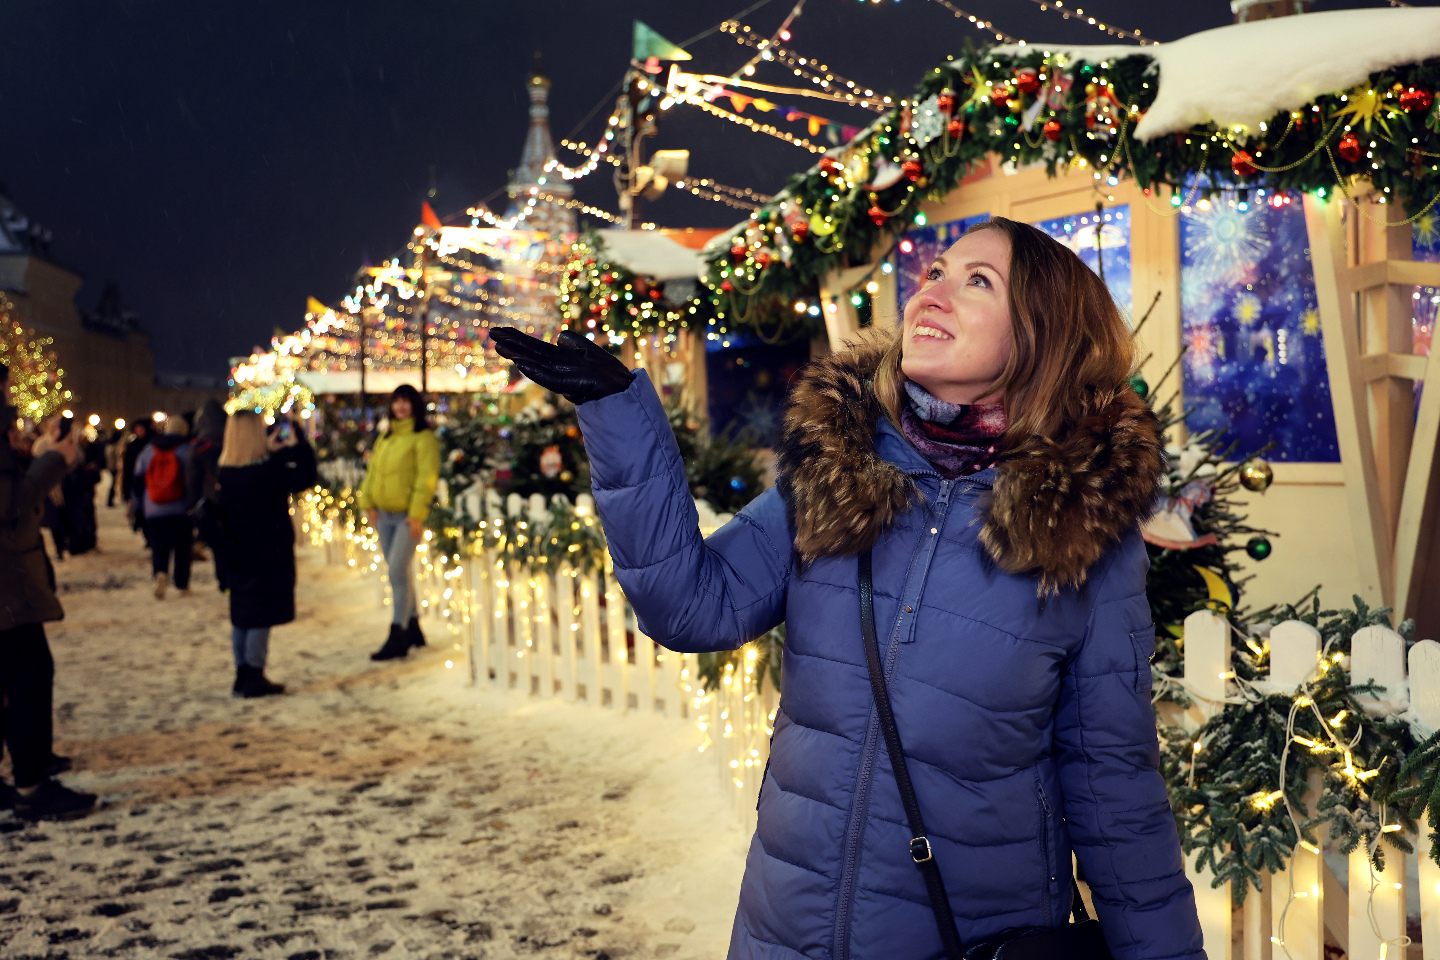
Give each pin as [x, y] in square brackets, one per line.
[995, 462]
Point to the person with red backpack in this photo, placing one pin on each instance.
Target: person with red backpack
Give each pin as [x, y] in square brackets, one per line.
[160, 492]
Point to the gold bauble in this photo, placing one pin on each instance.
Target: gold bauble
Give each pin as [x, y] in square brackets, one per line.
[1256, 475]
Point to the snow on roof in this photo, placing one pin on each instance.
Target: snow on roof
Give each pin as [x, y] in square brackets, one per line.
[652, 254]
[1247, 72]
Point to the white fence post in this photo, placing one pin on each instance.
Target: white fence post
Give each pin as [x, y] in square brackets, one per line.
[613, 666]
[588, 686]
[1207, 671]
[566, 631]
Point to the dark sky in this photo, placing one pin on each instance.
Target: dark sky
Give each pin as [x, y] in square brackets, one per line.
[224, 160]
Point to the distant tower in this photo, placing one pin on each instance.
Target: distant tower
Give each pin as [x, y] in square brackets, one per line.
[539, 150]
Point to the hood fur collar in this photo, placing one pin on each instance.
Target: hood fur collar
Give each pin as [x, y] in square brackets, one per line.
[1057, 504]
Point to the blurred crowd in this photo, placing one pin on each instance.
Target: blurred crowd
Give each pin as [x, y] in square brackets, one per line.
[207, 487]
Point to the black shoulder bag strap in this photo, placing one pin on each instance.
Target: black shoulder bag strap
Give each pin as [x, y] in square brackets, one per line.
[920, 850]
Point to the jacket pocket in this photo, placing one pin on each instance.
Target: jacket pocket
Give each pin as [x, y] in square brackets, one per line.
[1144, 642]
[1046, 851]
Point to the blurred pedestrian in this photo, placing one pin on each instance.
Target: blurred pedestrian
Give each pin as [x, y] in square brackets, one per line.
[396, 494]
[201, 476]
[27, 602]
[114, 453]
[257, 474]
[159, 494]
[77, 490]
[139, 438]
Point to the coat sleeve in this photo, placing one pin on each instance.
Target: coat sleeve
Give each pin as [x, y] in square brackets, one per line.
[137, 489]
[1115, 805]
[427, 474]
[367, 499]
[32, 486]
[689, 593]
[298, 471]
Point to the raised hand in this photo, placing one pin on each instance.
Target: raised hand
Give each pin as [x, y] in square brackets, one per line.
[576, 368]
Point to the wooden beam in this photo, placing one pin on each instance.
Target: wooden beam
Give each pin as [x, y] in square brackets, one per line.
[1417, 556]
[1341, 335]
[842, 322]
[1401, 366]
[1405, 273]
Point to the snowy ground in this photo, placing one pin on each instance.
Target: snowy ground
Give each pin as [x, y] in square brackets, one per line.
[373, 811]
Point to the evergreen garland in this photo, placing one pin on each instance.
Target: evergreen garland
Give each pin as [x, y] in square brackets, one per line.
[1385, 131]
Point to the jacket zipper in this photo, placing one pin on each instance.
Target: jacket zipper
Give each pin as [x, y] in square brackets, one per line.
[860, 804]
[1045, 847]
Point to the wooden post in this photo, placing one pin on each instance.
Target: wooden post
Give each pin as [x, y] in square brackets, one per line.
[616, 668]
[1388, 452]
[1340, 330]
[1207, 668]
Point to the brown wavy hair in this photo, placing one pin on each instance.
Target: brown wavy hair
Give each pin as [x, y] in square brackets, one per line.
[1069, 343]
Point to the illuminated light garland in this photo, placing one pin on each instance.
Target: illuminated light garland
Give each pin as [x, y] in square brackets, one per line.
[843, 99]
[801, 66]
[1079, 14]
[710, 190]
[757, 127]
[980, 24]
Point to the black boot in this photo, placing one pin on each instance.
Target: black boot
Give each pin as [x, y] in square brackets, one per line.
[241, 672]
[413, 634]
[256, 685]
[396, 645]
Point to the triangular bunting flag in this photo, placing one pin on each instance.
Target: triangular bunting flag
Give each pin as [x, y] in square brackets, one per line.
[315, 306]
[427, 216]
[648, 44]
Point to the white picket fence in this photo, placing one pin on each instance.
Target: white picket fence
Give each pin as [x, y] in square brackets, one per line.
[1292, 920]
[572, 637]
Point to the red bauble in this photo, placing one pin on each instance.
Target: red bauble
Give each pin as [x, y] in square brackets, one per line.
[737, 252]
[946, 101]
[726, 286]
[1242, 164]
[607, 278]
[912, 169]
[1028, 81]
[878, 216]
[762, 259]
[1416, 98]
[1349, 148]
[800, 231]
[597, 308]
[999, 94]
[956, 129]
[829, 165]
[1051, 130]
[654, 293]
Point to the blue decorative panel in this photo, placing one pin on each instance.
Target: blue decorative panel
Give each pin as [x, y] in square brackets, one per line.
[1255, 367]
[1100, 240]
[918, 249]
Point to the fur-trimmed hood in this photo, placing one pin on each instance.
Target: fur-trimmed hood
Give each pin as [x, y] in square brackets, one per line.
[1057, 504]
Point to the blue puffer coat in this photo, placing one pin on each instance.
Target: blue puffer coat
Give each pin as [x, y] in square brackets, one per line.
[1022, 697]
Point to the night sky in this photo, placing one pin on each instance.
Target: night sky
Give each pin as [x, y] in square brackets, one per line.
[221, 161]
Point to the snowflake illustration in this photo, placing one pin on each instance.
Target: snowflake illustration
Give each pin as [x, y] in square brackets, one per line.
[1310, 322]
[1247, 309]
[1223, 240]
[1427, 230]
[928, 122]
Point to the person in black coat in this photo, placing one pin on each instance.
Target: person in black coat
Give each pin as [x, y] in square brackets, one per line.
[202, 472]
[259, 470]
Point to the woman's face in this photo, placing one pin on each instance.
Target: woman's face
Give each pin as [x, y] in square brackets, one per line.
[957, 326]
[400, 409]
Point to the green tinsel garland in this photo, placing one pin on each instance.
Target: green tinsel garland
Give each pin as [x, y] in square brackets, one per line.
[1006, 105]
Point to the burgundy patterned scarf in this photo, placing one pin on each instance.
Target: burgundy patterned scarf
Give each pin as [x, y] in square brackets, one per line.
[957, 439]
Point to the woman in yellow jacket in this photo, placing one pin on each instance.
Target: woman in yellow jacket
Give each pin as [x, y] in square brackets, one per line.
[396, 494]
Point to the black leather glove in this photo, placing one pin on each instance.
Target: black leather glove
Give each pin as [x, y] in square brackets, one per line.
[576, 368]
